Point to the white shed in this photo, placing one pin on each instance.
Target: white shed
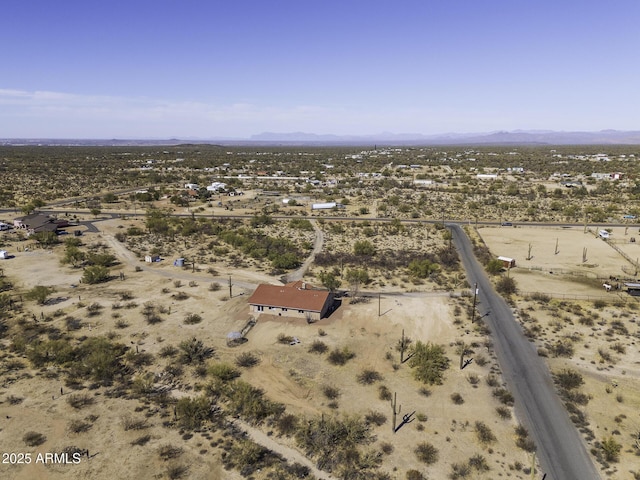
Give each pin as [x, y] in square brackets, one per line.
[4, 254]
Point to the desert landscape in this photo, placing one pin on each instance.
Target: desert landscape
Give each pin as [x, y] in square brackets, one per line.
[128, 366]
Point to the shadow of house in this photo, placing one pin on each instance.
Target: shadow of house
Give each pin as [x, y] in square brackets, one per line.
[38, 222]
[295, 299]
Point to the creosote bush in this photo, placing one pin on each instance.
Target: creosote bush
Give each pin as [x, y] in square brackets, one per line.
[33, 439]
[426, 453]
[368, 376]
[247, 360]
[340, 356]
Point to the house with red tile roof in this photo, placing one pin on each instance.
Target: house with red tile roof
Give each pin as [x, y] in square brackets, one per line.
[295, 299]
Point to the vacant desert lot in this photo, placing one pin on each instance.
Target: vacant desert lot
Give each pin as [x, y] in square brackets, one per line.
[599, 330]
[563, 272]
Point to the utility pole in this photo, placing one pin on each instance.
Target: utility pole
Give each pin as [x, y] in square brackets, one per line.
[556, 252]
[475, 298]
[379, 304]
[402, 347]
[230, 288]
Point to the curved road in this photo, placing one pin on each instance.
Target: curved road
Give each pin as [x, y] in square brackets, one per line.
[561, 451]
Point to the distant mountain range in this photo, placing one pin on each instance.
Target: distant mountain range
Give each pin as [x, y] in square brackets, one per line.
[516, 137]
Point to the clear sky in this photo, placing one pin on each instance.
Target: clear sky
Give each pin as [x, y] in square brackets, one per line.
[233, 68]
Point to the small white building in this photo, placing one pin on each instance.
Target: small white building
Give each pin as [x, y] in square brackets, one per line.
[4, 254]
[324, 206]
[216, 186]
[487, 176]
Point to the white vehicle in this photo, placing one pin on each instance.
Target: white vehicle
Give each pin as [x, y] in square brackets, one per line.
[4, 226]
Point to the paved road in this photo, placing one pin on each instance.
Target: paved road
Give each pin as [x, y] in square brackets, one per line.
[561, 450]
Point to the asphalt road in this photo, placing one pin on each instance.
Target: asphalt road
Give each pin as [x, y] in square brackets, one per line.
[561, 450]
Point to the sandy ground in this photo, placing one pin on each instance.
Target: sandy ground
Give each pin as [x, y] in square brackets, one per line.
[608, 358]
[564, 272]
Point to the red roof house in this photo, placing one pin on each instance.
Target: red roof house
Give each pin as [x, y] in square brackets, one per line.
[295, 299]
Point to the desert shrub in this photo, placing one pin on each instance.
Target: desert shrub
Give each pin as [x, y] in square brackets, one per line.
[175, 472]
[168, 351]
[367, 377]
[330, 392]
[39, 294]
[504, 396]
[214, 286]
[223, 372]
[133, 423]
[250, 403]
[429, 363]
[457, 399]
[94, 309]
[80, 400]
[424, 391]
[169, 452]
[287, 424]
[375, 418]
[79, 426]
[192, 319]
[386, 448]
[318, 346]
[479, 463]
[503, 412]
[484, 433]
[506, 286]
[611, 449]
[13, 400]
[334, 441]
[384, 393]
[426, 453]
[562, 348]
[72, 323]
[95, 274]
[415, 475]
[247, 360]
[523, 441]
[193, 412]
[284, 339]
[33, 439]
[340, 356]
[180, 296]
[194, 351]
[459, 470]
[568, 379]
[141, 441]
[121, 324]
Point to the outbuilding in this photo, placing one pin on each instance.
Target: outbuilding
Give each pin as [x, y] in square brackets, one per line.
[507, 262]
[4, 254]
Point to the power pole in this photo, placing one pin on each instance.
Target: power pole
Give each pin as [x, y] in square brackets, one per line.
[556, 252]
[475, 299]
[402, 346]
[378, 303]
[230, 288]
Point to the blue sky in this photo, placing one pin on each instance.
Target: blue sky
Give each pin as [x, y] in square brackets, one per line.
[214, 69]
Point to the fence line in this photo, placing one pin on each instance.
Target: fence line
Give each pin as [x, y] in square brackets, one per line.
[612, 297]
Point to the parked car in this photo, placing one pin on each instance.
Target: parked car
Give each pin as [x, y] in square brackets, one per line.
[507, 224]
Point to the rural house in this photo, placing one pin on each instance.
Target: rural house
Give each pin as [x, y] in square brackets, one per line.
[37, 222]
[295, 299]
